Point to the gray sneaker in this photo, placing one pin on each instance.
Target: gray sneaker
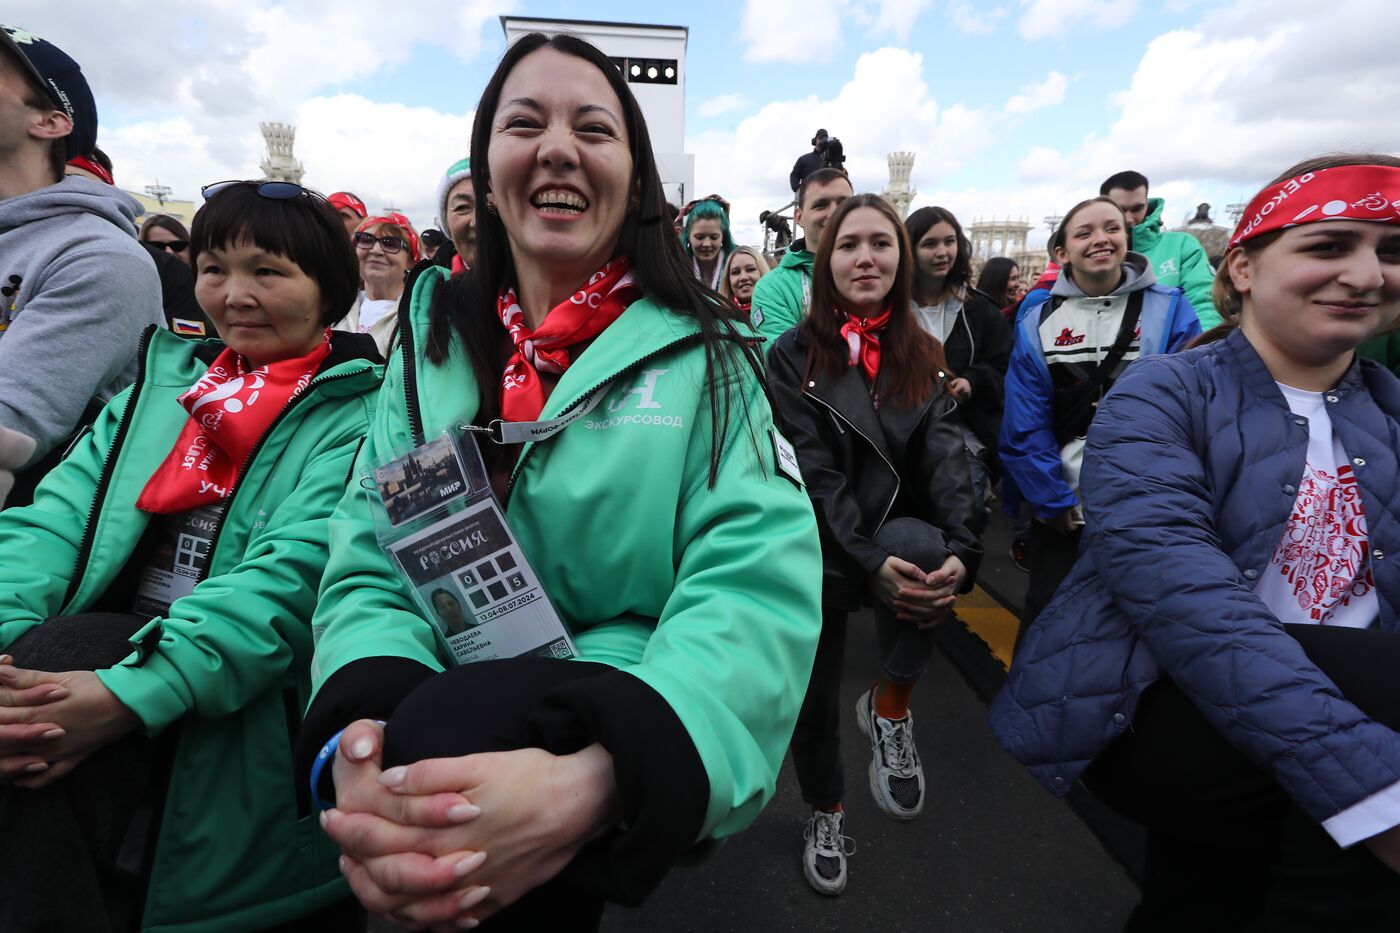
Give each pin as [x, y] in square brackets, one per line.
[824, 855]
[896, 776]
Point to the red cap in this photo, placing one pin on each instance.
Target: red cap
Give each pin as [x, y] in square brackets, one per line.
[346, 199]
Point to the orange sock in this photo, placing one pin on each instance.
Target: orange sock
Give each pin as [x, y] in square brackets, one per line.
[834, 808]
[892, 700]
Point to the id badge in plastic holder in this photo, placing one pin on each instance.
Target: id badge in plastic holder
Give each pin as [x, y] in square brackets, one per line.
[437, 519]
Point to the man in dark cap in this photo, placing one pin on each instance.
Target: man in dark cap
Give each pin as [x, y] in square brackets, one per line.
[808, 162]
[76, 289]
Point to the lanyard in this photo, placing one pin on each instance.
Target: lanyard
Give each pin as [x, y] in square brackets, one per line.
[806, 293]
[519, 432]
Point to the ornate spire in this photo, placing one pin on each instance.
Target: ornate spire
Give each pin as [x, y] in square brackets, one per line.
[279, 164]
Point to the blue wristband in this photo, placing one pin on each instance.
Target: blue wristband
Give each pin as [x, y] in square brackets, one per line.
[326, 754]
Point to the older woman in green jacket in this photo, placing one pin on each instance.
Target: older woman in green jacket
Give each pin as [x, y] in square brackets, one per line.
[156, 601]
[678, 548]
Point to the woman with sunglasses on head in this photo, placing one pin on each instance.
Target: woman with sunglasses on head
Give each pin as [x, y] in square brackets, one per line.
[1225, 649]
[976, 339]
[386, 247]
[169, 571]
[162, 231]
[1104, 311]
[681, 556]
[863, 391]
[707, 239]
[742, 271]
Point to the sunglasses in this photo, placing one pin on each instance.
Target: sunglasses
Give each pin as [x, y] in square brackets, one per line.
[366, 241]
[273, 190]
[175, 246]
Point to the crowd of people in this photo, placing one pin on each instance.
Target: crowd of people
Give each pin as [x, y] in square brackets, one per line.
[224, 704]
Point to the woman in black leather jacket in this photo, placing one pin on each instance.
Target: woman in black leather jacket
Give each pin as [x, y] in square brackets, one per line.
[863, 393]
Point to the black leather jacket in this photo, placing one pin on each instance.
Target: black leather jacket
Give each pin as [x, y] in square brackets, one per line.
[863, 467]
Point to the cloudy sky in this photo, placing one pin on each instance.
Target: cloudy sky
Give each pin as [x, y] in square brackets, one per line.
[1014, 107]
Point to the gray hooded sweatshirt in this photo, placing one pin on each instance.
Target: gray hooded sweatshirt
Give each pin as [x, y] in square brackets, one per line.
[76, 293]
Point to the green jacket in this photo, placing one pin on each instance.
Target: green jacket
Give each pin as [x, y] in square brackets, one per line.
[1178, 260]
[779, 300]
[1384, 349]
[710, 596]
[230, 662]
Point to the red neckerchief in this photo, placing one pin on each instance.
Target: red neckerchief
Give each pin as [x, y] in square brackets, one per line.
[582, 316]
[743, 306]
[230, 407]
[863, 338]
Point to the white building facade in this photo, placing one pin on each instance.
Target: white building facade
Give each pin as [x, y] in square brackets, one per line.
[652, 60]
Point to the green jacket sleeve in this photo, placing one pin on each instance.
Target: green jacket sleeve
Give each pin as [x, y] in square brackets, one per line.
[237, 634]
[364, 609]
[733, 650]
[775, 309]
[42, 539]
[1198, 282]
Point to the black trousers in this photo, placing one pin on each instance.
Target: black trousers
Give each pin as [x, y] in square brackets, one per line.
[1227, 849]
[75, 856]
[487, 707]
[904, 653]
[1050, 555]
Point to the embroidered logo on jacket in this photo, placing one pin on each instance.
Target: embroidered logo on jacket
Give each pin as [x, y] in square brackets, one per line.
[628, 407]
[1068, 338]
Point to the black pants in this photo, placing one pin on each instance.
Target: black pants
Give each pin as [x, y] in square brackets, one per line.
[74, 856]
[488, 706]
[1050, 555]
[1227, 849]
[904, 653]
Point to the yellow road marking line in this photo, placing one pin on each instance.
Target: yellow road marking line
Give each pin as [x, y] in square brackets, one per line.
[990, 621]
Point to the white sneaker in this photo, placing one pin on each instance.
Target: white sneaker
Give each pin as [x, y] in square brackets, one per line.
[824, 855]
[896, 776]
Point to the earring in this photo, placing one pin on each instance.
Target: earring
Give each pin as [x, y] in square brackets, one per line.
[491, 208]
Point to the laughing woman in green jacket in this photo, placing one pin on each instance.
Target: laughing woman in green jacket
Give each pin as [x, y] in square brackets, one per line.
[684, 561]
[155, 602]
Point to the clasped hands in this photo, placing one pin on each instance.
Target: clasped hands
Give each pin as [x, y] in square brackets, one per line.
[50, 722]
[446, 842]
[915, 596]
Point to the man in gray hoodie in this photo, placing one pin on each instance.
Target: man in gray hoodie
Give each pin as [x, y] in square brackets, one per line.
[76, 289]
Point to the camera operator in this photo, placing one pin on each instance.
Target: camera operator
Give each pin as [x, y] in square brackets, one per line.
[809, 162]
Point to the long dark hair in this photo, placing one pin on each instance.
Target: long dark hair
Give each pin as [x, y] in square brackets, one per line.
[911, 360]
[996, 275]
[924, 219]
[466, 304]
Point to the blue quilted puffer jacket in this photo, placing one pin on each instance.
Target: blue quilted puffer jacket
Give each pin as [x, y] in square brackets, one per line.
[1188, 482]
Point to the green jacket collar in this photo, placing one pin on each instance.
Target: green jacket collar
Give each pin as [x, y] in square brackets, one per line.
[1149, 231]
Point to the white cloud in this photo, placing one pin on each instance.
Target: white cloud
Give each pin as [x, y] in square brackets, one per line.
[1249, 90]
[1040, 164]
[797, 31]
[973, 20]
[722, 104]
[388, 154]
[750, 164]
[1047, 18]
[1039, 95]
[791, 31]
[202, 77]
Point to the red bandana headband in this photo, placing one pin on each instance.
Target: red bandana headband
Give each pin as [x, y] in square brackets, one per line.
[398, 220]
[1349, 192]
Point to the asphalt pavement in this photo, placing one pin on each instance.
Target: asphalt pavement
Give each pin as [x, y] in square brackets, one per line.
[991, 852]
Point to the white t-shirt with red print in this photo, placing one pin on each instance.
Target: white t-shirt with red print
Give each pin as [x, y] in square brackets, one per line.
[1321, 571]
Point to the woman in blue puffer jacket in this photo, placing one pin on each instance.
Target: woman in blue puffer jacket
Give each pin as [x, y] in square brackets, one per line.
[1233, 601]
